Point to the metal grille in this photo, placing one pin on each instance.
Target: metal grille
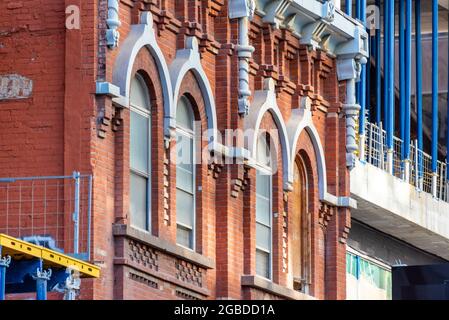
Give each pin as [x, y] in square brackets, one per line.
[53, 211]
[442, 191]
[398, 165]
[427, 172]
[421, 174]
[374, 145]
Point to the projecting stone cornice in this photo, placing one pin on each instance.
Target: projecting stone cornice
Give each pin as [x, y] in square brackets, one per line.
[319, 24]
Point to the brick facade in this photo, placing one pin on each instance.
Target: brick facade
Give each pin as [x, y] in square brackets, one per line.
[64, 126]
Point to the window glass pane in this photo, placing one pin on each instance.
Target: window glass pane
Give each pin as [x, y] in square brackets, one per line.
[263, 210]
[184, 237]
[184, 152]
[139, 142]
[263, 184]
[139, 93]
[184, 180]
[138, 201]
[184, 208]
[184, 114]
[263, 237]
[263, 151]
[263, 264]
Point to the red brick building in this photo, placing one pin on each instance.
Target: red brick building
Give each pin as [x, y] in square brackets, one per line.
[137, 84]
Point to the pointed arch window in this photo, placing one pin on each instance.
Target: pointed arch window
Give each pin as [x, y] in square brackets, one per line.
[264, 192]
[300, 230]
[140, 154]
[185, 174]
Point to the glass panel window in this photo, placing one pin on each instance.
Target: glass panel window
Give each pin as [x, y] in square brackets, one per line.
[184, 236]
[138, 201]
[184, 205]
[263, 210]
[185, 175]
[263, 237]
[139, 153]
[263, 151]
[366, 279]
[184, 114]
[263, 263]
[139, 94]
[139, 142]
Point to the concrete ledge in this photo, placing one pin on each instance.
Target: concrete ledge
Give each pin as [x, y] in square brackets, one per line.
[263, 284]
[395, 207]
[163, 245]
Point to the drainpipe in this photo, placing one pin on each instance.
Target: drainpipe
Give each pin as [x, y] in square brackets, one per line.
[244, 11]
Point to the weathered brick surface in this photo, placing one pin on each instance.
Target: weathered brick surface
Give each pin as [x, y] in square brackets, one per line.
[60, 128]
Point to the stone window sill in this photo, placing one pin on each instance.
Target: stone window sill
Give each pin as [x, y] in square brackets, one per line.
[266, 285]
[163, 245]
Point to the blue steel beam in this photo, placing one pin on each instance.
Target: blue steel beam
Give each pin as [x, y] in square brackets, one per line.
[362, 86]
[368, 77]
[402, 67]
[447, 114]
[419, 85]
[348, 7]
[386, 64]
[408, 77]
[390, 75]
[378, 72]
[434, 86]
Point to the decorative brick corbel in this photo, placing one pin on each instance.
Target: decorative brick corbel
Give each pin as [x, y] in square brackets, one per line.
[214, 169]
[325, 215]
[240, 182]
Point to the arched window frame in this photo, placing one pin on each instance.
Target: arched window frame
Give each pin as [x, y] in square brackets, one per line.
[304, 282]
[188, 133]
[264, 169]
[144, 112]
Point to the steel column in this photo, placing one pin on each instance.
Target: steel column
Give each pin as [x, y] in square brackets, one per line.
[408, 87]
[4, 263]
[419, 100]
[434, 95]
[378, 72]
[361, 11]
[368, 78]
[76, 213]
[386, 64]
[348, 7]
[402, 67]
[447, 117]
[390, 91]
[41, 277]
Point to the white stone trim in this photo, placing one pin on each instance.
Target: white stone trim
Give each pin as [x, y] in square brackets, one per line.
[140, 36]
[186, 60]
[300, 120]
[265, 100]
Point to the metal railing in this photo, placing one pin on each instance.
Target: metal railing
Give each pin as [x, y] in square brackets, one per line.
[52, 211]
[420, 169]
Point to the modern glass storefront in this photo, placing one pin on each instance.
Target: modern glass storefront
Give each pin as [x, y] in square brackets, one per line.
[366, 278]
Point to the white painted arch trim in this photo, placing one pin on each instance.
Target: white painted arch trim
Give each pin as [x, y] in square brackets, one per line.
[186, 60]
[265, 101]
[140, 36]
[300, 120]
